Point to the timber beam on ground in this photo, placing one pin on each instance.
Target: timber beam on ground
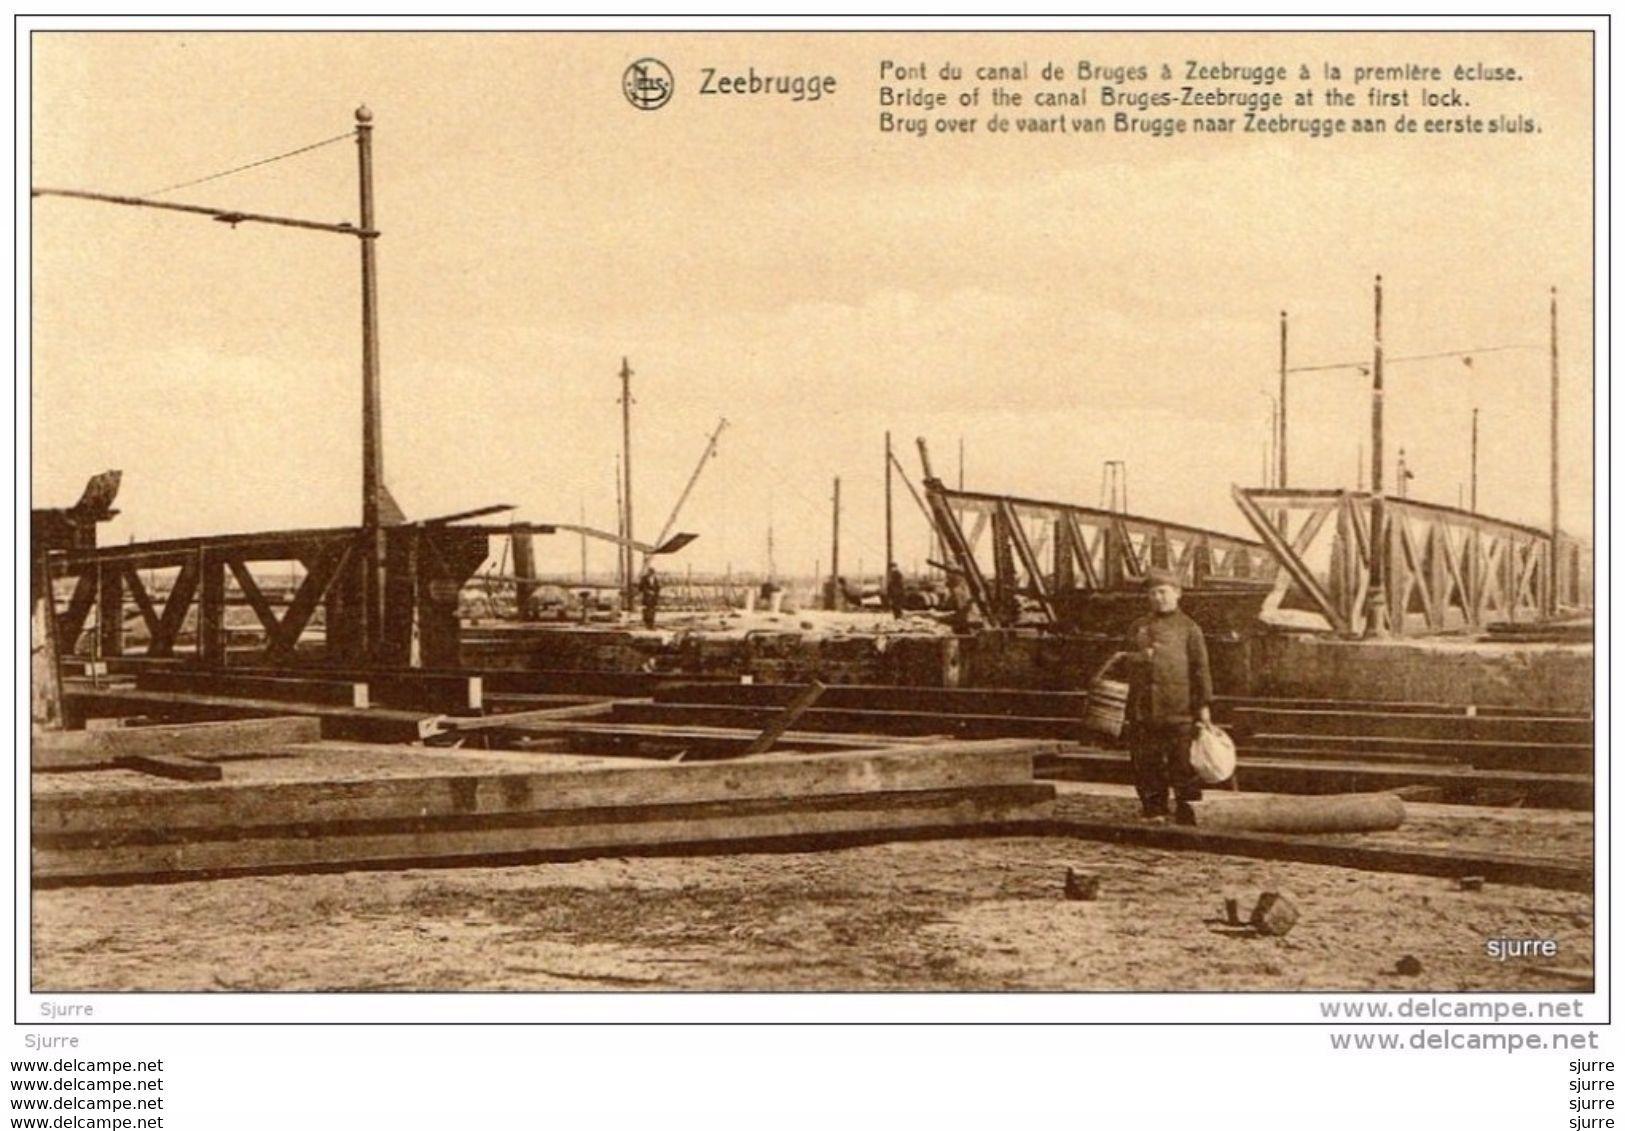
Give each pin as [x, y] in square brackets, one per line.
[589, 737]
[328, 692]
[839, 720]
[371, 724]
[799, 825]
[1544, 757]
[493, 681]
[1455, 784]
[1505, 728]
[1531, 871]
[511, 704]
[1222, 704]
[356, 807]
[100, 749]
[872, 697]
[595, 709]
[450, 690]
[450, 784]
[356, 688]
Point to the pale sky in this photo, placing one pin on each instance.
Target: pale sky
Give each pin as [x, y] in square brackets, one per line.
[1054, 301]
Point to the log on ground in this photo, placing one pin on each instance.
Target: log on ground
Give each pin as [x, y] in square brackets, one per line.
[1327, 813]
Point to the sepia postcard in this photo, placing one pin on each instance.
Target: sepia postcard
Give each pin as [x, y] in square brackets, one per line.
[574, 520]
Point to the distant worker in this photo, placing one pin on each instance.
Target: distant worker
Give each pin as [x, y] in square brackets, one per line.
[1170, 689]
[649, 594]
[895, 590]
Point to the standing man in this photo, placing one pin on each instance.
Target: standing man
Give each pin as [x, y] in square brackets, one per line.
[1170, 688]
[895, 589]
[649, 593]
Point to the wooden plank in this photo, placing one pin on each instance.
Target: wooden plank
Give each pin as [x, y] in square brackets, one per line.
[1554, 757]
[1503, 728]
[570, 682]
[1392, 706]
[422, 691]
[328, 795]
[870, 697]
[786, 719]
[1533, 871]
[374, 724]
[792, 822]
[845, 721]
[520, 720]
[87, 749]
[286, 688]
[1346, 757]
[723, 739]
[1460, 784]
[513, 703]
[177, 767]
[448, 684]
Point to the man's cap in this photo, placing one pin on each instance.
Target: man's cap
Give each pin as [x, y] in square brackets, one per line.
[1156, 575]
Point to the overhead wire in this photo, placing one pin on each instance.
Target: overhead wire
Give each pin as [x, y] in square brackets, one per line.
[813, 506]
[250, 165]
[1366, 363]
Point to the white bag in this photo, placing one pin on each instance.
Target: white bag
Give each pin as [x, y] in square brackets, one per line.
[1213, 754]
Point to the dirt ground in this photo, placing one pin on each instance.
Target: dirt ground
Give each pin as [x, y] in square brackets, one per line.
[971, 914]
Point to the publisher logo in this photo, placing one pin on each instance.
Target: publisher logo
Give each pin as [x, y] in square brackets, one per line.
[648, 84]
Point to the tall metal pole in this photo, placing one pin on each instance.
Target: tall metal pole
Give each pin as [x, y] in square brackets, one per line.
[959, 513]
[626, 491]
[1551, 588]
[1273, 447]
[620, 527]
[835, 552]
[1376, 393]
[1473, 496]
[1280, 451]
[1376, 609]
[889, 554]
[372, 445]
